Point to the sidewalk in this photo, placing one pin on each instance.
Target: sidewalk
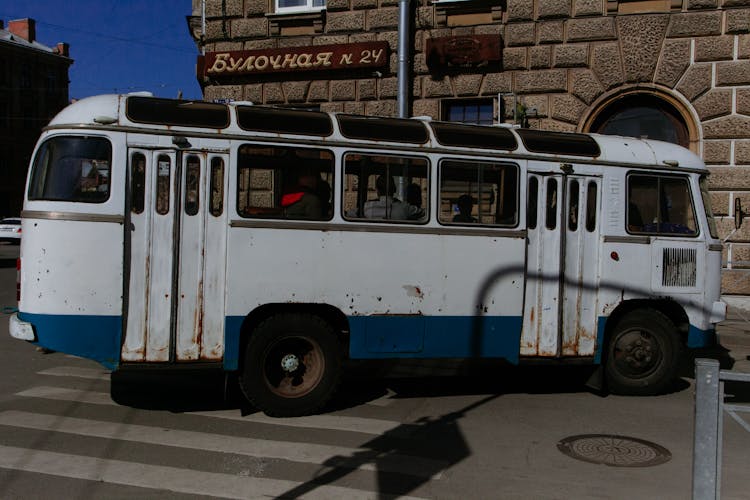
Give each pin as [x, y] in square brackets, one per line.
[735, 330]
[734, 335]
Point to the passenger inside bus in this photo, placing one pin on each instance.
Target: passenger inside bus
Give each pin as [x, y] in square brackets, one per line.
[324, 195]
[387, 206]
[635, 221]
[414, 199]
[302, 201]
[465, 205]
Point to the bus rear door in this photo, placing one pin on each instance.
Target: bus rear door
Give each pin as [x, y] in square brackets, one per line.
[174, 307]
[562, 266]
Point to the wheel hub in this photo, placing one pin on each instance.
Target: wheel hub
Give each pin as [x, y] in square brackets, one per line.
[636, 351]
[289, 363]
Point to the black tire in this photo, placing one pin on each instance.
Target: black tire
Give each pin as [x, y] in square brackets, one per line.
[643, 354]
[292, 365]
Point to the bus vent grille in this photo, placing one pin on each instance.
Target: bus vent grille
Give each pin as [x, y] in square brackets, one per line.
[679, 267]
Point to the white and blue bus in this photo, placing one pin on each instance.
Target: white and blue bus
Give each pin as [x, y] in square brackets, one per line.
[277, 243]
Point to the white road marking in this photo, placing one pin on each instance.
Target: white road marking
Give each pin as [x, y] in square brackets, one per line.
[383, 401]
[325, 455]
[62, 394]
[74, 371]
[371, 426]
[167, 478]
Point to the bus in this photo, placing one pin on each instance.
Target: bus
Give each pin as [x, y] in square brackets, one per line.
[278, 244]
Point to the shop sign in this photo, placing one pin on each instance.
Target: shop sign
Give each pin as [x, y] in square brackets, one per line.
[459, 51]
[314, 58]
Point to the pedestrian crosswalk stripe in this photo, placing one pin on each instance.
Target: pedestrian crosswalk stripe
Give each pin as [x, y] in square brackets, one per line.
[371, 426]
[78, 372]
[162, 477]
[361, 425]
[62, 394]
[327, 455]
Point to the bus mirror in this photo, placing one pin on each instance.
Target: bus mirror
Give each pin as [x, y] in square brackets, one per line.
[738, 213]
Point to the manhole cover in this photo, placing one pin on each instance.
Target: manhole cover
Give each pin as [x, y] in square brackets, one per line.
[616, 451]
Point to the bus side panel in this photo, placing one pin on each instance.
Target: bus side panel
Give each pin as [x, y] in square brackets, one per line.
[447, 295]
[71, 277]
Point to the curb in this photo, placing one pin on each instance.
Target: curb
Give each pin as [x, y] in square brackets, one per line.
[734, 340]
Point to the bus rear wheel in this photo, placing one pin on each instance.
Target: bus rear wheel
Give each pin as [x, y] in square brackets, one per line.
[292, 365]
[642, 354]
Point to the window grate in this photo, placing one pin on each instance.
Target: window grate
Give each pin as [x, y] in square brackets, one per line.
[679, 267]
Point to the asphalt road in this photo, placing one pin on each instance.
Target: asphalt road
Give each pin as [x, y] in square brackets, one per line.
[69, 429]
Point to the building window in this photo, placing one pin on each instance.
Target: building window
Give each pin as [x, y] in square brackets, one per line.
[476, 111]
[644, 116]
[289, 6]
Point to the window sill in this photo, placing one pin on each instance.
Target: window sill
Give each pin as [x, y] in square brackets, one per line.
[445, 9]
[295, 19]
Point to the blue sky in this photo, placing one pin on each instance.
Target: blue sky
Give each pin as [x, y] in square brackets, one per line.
[117, 46]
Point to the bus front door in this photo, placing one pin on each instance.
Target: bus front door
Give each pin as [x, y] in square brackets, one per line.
[174, 305]
[562, 266]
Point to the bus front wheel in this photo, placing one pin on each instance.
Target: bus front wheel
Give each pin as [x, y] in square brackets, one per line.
[642, 354]
[292, 365]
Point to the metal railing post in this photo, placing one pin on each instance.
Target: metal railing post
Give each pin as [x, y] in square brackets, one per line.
[707, 433]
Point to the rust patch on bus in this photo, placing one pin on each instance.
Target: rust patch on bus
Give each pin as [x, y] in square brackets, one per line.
[413, 291]
[198, 320]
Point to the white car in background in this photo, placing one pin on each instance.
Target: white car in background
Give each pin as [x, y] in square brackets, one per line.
[10, 230]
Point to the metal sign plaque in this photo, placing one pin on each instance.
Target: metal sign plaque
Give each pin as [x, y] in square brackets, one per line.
[290, 59]
[473, 50]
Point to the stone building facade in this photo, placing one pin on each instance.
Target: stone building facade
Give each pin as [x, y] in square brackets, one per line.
[571, 65]
[33, 89]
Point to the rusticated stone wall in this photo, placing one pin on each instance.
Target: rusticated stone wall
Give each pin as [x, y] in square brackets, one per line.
[562, 57]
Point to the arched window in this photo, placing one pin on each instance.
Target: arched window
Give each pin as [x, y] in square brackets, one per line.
[644, 116]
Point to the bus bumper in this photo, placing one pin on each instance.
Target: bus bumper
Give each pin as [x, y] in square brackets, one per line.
[21, 330]
[718, 312]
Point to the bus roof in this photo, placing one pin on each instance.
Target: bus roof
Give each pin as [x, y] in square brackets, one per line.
[182, 117]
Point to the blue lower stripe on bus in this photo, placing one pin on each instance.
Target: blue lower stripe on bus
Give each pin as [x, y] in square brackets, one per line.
[91, 337]
[380, 337]
[701, 338]
[435, 337]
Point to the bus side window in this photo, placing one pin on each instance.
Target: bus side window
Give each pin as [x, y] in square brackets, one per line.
[216, 202]
[533, 201]
[137, 183]
[660, 205]
[163, 175]
[283, 182]
[573, 208]
[478, 192]
[591, 207]
[192, 185]
[72, 169]
[551, 212]
[385, 187]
